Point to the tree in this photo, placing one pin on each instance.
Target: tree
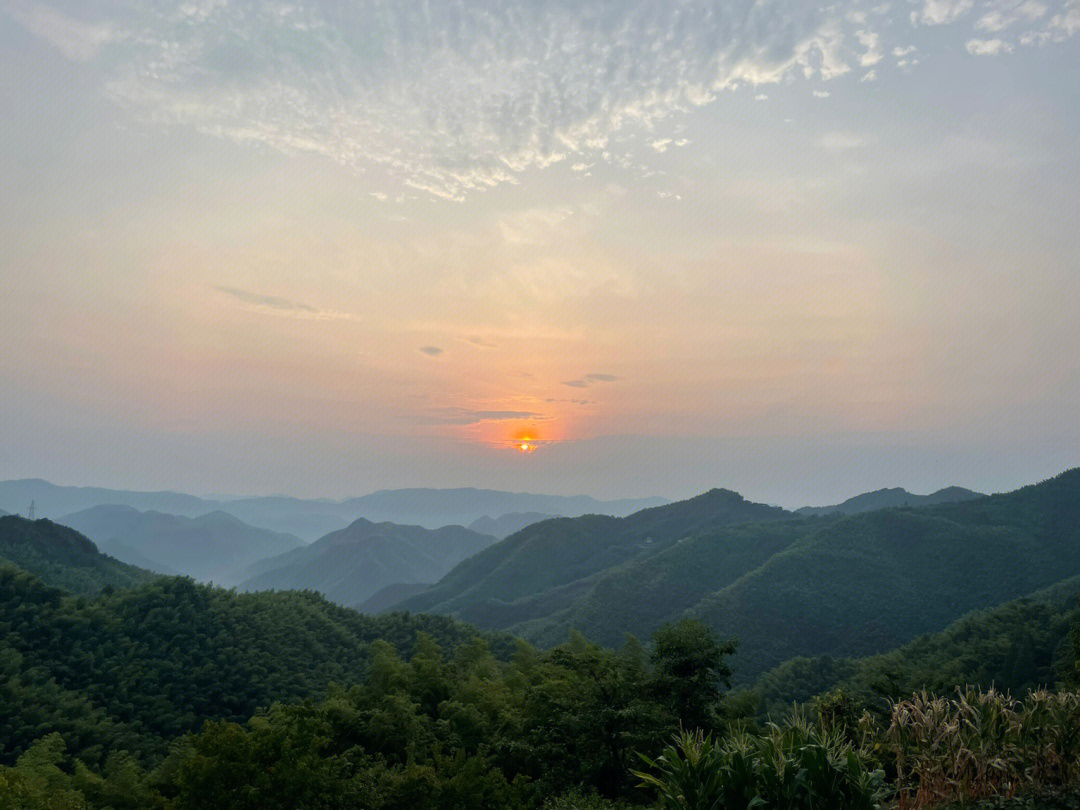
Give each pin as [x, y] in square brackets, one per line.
[690, 672]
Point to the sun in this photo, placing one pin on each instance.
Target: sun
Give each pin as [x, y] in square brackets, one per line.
[524, 442]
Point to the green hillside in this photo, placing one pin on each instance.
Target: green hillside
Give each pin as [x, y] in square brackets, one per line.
[62, 557]
[213, 547]
[1020, 645]
[158, 660]
[353, 564]
[785, 586]
[661, 586]
[559, 552]
[867, 583]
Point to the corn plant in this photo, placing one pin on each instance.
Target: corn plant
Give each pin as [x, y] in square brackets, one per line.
[797, 766]
[983, 745]
[689, 773]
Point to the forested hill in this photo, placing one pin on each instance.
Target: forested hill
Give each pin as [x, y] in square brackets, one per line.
[784, 585]
[62, 557]
[134, 668]
[559, 552]
[871, 582]
[1020, 645]
[353, 564]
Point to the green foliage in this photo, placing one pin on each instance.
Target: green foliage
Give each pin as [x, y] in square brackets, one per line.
[690, 673]
[690, 775]
[423, 724]
[790, 767]
[131, 670]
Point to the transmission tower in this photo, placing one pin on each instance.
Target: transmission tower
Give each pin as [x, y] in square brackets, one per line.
[31, 511]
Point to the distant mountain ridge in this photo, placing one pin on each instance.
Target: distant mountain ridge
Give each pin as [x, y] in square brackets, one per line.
[506, 525]
[894, 496]
[352, 564]
[214, 547]
[313, 518]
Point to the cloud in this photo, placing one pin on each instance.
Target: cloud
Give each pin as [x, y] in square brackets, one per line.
[455, 98]
[431, 351]
[280, 306]
[871, 41]
[450, 98]
[476, 340]
[821, 93]
[466, 416]
[589, 379]
[988, 47]
[1066, 24]
[941, 12]
[77, 40]
[997, 20]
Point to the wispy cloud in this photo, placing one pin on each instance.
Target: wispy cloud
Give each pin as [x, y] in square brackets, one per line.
[476, 340]
[280, 306]
[941, 12]
[76, 39]
[588, 379]
[431, 351]
[466, 416]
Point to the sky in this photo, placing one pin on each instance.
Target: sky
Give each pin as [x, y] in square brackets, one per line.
[320, 248]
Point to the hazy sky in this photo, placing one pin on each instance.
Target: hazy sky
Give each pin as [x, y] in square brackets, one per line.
[323, 247]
